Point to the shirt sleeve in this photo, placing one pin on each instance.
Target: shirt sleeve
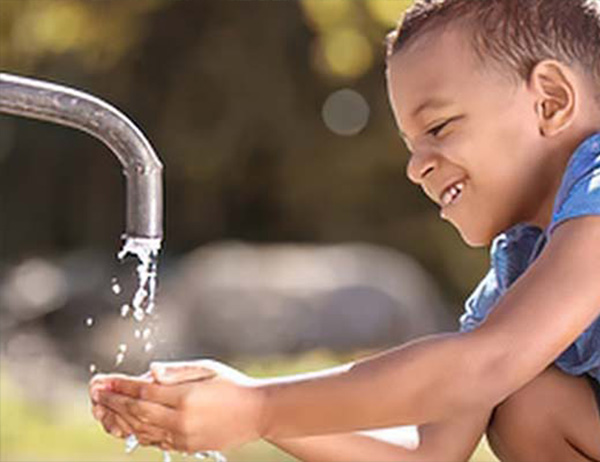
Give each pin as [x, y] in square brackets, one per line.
[480, 302]
[579, 194]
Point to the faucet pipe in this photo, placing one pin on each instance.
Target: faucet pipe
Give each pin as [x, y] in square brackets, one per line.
[50, 102]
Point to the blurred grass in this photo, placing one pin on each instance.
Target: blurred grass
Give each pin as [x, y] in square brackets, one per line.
[35, 432]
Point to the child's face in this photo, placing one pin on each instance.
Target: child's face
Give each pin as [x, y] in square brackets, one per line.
[469, 124]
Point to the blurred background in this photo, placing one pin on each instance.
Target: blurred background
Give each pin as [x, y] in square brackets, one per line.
[293, 240]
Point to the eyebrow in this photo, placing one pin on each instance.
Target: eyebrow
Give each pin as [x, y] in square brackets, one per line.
[430, 103]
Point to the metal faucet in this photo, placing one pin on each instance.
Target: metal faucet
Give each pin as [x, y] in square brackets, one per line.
[41, 100]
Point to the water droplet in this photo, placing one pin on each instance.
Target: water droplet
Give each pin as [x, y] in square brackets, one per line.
[139, 297]
[138, 314]
[150, 308]
[137, 333]
[148, 346]
[166, 456]
[116, 288]
[89, 321]
[119, 359]
[218, 457]
[122, 347]
[93, 368]
[131, 443]
[124, 310]
[146, 334]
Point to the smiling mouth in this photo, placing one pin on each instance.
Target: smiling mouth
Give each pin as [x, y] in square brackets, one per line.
[452, 193]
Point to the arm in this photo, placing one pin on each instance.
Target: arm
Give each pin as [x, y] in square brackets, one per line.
[432, 379]
[444, 375]
[450, 441]
[453, 440]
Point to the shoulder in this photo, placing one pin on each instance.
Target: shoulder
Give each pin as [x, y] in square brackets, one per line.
[556, 299]
[579, 193]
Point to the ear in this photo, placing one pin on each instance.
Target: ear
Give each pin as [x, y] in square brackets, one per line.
[556, 96]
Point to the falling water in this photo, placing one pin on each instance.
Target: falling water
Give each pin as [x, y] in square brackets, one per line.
[146, 250]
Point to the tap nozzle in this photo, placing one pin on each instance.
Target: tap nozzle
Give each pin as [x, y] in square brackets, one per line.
[47, 101]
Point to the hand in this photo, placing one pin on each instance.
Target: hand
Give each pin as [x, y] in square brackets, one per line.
[112, 423]
[180, 409]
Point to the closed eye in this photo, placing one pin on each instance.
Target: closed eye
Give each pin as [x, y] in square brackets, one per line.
[435, 131]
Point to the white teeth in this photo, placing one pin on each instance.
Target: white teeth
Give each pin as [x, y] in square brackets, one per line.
[452, 193]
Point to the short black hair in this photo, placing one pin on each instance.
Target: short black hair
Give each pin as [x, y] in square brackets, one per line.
[514, 34]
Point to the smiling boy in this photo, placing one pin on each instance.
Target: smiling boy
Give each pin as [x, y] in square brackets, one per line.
[499, 103]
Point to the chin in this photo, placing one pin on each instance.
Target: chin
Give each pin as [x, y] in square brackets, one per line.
[475, 238]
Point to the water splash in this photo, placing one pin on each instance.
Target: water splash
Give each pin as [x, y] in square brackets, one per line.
[125, 310]
[131, 443]
[116, 288]
[146, 250]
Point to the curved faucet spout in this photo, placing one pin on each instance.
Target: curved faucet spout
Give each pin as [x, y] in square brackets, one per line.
[40, 100]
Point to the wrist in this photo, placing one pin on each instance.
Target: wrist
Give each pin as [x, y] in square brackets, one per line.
[260, 392]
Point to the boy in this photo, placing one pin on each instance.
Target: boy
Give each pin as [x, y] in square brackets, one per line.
[499, 103]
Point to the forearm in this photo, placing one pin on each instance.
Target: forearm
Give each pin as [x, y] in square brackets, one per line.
[454, 440]
[428, 380]
[347, 447]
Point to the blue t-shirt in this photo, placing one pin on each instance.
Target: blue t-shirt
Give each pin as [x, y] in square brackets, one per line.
[515, 249]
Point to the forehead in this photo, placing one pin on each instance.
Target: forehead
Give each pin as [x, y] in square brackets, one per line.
[439, 68]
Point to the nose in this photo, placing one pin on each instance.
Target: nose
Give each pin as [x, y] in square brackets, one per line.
[421, 164]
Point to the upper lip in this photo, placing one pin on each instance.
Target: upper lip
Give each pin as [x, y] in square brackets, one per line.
[449, 184]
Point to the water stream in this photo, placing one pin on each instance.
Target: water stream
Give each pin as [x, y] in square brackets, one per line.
[142, 309]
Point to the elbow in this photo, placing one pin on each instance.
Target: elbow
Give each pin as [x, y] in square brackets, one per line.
[493, 371]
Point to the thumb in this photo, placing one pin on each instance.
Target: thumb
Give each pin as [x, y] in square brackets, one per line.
[171, 373]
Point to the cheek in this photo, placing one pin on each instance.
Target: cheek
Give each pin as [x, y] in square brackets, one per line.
[486, 211]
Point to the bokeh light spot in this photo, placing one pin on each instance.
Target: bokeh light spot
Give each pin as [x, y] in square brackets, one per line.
[58, 27]
[346, 112]
[346, 52]
[387, 12]
[325, 14]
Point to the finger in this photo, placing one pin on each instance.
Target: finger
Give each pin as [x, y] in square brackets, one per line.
[121, 383]
[169, 396]
[98, 412]
[146, 390]
[145, 434]
[140, 414]
[97, 383]
[123, 425]
[110, 425]
[166, 446]
[111, 421]
[179, 372]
